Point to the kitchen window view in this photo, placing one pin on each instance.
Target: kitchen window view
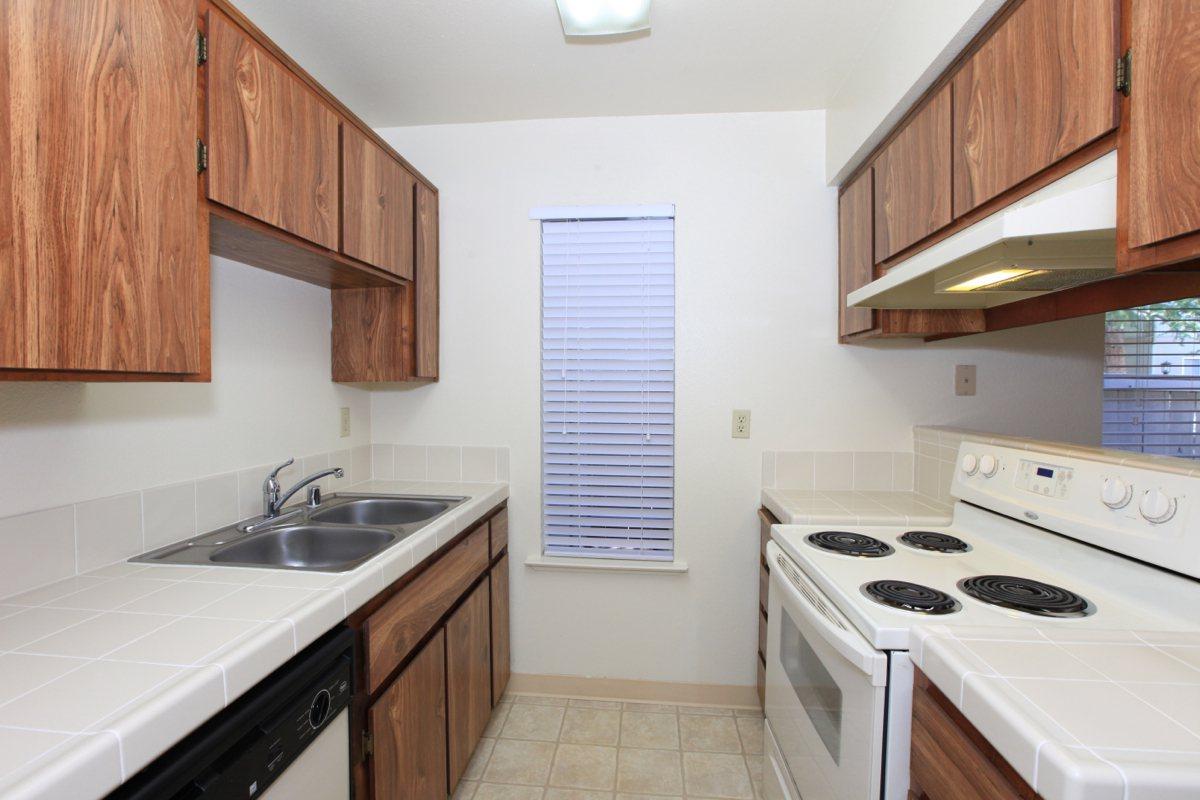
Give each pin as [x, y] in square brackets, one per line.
[608, 384]
[1152, 379]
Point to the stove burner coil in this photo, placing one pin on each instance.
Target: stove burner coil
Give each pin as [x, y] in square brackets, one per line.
[850, 544]
[1024, 594]
[910, 597]
[935, 542]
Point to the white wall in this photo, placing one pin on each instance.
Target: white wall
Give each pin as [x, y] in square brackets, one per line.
[270, 397]
[756, 311]
[913, 44]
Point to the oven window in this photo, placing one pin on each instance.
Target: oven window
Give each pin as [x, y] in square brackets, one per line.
[814, 686]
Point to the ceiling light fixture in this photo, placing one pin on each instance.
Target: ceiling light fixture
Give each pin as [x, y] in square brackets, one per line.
[603, 17]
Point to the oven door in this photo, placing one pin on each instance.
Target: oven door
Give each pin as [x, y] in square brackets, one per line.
[826, 691]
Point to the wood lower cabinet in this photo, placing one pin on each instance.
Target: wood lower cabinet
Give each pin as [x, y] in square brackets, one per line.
[377, 206]
[103, 251]
[409, 755]
[434, 645]
[856, 254]
[1159, 216]
[912, 180]
[951, 760]
[392, 631]
[272, 143]
[765, 520]
[501, 649]
[1039, 88]
[468, 677]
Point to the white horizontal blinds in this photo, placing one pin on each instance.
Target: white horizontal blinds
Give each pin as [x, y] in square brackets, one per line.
[1152, 379]
[608, 387]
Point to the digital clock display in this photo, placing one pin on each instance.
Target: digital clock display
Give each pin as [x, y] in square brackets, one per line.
[1045, 472]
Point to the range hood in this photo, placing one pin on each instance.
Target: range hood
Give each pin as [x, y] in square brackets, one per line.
[1060, 236]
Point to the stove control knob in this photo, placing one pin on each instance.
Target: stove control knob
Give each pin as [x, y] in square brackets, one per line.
[970, 463]
[1116, 493]
[988, 466]
[1157, 506]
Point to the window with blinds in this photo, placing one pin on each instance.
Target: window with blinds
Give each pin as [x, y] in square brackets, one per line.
[1152, 379]
[608, 382]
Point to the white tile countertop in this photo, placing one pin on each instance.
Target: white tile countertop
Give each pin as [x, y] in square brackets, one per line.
[815, 507]
[1080, 715]
[101, 673]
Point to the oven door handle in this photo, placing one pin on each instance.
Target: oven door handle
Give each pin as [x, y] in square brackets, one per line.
[821, 614]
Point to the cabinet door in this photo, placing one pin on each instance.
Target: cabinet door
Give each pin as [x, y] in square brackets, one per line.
[855, 260]
[102, 263]
[1038, 89]
[501, 652]
[425, 293]
[377, 205]
[912, 180]
[272, 142]
[1164, 152]
[408, 723]
[469, 677]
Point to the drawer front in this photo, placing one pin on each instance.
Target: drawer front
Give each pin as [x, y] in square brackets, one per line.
[393, 630]
[499, 526]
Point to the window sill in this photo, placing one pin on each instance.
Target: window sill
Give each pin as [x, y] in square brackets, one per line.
[605, 565]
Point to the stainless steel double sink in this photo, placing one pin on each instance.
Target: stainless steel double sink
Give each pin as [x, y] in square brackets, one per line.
[336, 536]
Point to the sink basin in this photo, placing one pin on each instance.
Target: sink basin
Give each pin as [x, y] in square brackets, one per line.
[380, 511]
[339, 535]
[306, 547]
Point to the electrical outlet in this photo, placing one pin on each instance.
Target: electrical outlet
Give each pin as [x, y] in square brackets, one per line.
[345, 421]
[964, 380]
[741, 423]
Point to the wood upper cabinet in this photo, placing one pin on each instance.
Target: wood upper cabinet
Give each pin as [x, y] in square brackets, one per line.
[103, 255]
[501, 649]
[272, 142]
[468, 678]
[377, 205]
[408, 725]
[855, 253]
[1039, 88]
[912, 180]
[425, 292]
[1161, 145]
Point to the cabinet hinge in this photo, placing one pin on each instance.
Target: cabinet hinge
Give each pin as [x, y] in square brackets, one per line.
[1124, 70]
[201, 155]
[368, 744]
[201, 48]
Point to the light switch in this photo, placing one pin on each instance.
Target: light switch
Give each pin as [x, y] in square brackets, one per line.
[345, 421]
[964, 380]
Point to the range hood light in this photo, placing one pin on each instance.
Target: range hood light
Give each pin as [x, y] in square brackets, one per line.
[603, 17]
[990, 279]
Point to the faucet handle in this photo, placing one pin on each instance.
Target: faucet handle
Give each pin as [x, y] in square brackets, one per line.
[275, 472]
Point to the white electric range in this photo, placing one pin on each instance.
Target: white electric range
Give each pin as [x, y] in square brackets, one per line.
[1037, 539]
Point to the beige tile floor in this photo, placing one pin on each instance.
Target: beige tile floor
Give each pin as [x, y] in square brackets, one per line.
[556, 748]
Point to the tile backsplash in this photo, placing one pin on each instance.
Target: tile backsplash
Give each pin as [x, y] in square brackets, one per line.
[45, 546]
[409, 462]
[936, 454]
[842, 470]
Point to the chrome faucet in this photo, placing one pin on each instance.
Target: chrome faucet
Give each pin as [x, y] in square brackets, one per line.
[273, 498]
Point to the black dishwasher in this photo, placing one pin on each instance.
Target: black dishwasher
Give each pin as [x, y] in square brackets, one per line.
[292, 724]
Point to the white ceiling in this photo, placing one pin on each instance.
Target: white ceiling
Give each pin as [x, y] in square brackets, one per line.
[415, 62]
